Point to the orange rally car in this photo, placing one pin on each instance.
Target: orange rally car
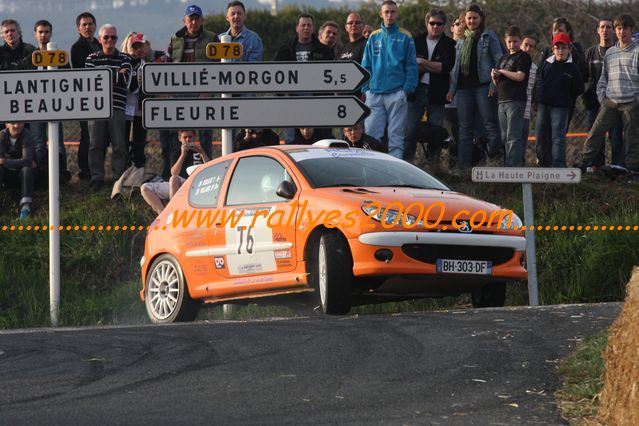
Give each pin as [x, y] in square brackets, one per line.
[344, 223]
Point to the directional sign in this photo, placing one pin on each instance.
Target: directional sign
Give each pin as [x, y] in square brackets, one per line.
[82, 94]
[224, 50]
[227, 113]
[50, 58]
[253, 77]
[526, 175]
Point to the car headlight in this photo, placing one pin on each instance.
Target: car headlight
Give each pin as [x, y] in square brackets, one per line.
[391, 216]
[511, 221]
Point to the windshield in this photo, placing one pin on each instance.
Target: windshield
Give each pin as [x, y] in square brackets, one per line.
[355, 167]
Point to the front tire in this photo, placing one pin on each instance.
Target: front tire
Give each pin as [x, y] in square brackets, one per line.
[334, 268]
[166, 295]
[491, 295]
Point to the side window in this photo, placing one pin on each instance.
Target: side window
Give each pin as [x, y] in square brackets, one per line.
[206, 186]
[255, 181]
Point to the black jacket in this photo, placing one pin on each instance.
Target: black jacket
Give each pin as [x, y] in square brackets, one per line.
[319, 52]
[559, 84]
[267, 138]
[444, 53]
[18, 58]
[81, 49]
[19, 155]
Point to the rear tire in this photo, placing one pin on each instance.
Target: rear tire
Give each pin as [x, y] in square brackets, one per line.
[334, 271]
[491, 295]
[166, 295]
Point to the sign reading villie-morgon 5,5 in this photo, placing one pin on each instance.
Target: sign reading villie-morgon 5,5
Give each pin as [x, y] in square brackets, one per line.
[55, 95]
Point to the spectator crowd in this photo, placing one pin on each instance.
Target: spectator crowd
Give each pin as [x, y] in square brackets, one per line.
[474, 92]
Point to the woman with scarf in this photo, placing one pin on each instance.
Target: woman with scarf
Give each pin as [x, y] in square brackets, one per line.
[477, 54]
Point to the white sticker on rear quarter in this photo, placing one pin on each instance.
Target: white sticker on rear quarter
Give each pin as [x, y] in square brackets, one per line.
[243, 239]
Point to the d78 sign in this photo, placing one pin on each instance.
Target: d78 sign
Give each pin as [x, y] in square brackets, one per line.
[49, 58]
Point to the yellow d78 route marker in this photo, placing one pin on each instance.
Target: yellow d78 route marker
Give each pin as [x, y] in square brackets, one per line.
[50, 58]
[224, 50]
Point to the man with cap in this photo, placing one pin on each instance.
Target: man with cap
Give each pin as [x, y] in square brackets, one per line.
[188, 44]
[559, 84]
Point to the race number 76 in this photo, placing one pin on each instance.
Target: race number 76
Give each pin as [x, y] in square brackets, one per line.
[248, 247]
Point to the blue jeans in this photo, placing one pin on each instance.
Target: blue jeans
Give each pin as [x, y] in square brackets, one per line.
[416, 108]
[83, 149]
[115, 128]
[23, 178]
[511, 117]
[525, 130]
[391, 109]
[39, 132]
[615, 136]
[469, 103]
[552, 125]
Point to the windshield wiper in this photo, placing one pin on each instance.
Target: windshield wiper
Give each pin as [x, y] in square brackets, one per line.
[338, 184]
[405, 185]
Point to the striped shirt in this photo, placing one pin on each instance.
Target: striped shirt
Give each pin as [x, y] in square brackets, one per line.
[619, 79]
[532, 76]
[189, 49]
[120, 81]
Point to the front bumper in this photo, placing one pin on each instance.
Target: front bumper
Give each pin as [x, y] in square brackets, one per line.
[415, 253]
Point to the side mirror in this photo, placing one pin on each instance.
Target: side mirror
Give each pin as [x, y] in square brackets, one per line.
[286, 190]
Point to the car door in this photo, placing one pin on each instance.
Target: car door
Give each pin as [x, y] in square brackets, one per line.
[257, 245]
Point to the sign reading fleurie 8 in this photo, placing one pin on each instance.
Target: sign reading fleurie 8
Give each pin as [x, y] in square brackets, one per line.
[81, 94]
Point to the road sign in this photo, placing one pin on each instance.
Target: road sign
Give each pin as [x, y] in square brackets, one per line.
[299, 111]
[224, 50]
[50, 58]
[82, 94]
[526, 175]
[253, 77]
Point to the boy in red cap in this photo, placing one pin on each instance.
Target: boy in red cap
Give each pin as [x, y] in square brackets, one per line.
[559, 85]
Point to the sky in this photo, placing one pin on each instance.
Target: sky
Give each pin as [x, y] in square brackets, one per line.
[157, 19]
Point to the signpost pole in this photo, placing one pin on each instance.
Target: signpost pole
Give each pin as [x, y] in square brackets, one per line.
[531, 259]
[54, 215]
[227, 134]
[527, 176]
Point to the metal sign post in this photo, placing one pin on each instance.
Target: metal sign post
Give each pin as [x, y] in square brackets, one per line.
[227, 134]
[54, 95]
[527, 176]
[54, 213]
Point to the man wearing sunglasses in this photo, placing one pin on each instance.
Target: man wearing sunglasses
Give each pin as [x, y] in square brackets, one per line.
[120, 65]
[435, 59]
[354, 49]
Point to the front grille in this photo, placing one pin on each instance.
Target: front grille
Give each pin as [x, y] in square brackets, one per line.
[429, 253]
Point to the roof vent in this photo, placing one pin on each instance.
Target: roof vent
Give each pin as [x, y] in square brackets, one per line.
[332, 143]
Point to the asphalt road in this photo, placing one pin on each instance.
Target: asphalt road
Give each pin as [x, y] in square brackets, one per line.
[492, 366]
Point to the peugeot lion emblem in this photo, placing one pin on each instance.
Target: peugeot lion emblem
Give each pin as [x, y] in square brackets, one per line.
[464, 226]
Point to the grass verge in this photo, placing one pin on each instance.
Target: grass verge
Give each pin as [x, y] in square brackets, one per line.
[583, 371]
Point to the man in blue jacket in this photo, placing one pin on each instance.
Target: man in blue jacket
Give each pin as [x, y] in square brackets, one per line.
[391, 59]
